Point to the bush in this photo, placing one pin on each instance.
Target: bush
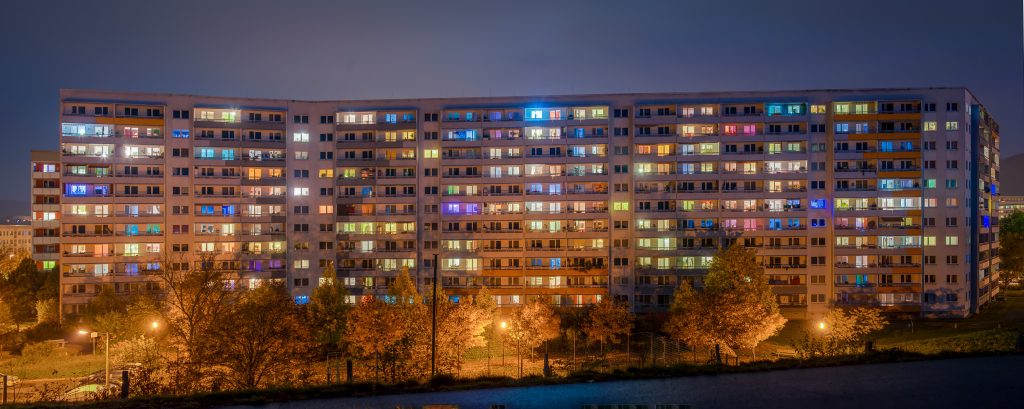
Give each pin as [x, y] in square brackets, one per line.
[38, 351]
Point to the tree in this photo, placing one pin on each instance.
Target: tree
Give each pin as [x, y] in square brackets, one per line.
[460, 326]
[265, 338]
[394, 334]
[529, 326]
[328, 310]
[6, 318]
[607, 321]
[372, 331]
[11, 258]
[690, 318]
[1011, 248]
[486, 303]
[21, 289]
[842, 331]
[736, 307]
[193, 307]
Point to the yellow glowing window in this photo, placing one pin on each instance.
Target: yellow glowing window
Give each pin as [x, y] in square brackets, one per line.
[430, 153]
[620, 206]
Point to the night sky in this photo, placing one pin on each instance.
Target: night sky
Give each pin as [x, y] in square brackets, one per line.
[384, 49]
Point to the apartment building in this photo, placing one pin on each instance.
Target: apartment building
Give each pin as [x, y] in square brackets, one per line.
[880, 197]
[46, 211]
[1010, 204]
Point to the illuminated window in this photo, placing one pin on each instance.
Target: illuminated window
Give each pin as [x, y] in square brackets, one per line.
[841, 109]
[620, 206]
[818, 109]
[952, 125]
[300, 191]
[300, 137]
[430, 153]
[929, 125]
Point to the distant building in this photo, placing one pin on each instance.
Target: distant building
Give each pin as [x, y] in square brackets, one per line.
[15, 239]
[1010, 204]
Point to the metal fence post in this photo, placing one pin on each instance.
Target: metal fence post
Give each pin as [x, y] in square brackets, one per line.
[124, 384]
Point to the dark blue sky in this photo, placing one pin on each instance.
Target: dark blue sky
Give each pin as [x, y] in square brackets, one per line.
[383, 49]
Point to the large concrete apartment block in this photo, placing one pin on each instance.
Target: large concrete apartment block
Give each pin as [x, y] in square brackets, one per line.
[879, 197]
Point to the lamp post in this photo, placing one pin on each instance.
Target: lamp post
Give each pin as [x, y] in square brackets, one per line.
[106, 352]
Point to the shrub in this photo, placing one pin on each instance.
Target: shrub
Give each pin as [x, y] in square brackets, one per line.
[39, 351]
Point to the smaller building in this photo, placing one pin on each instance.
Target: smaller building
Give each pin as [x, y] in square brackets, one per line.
[16, 239]
[1010, 204]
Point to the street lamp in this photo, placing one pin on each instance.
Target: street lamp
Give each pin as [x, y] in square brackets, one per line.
[821, 325]
[106, 359]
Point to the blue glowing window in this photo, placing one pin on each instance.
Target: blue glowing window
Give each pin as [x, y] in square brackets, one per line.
[391, 118]
[535, 114]
[842, 128]
[227, 154]
[76, 189]
[227, 210]
[131, 269]
[818, 204]
[707, 223]
[454, 299]
[774, 224]
[101, 190]
[206, 153]
[180, 133]
[131, 230]
[302, 299]
[817, 222]
[580, 132]
[206, 209]
[985, 221]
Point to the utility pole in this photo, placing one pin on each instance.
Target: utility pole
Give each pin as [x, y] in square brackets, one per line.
[433, 325]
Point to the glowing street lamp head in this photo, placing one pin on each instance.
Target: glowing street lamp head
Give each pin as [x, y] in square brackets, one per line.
[83, 332]
[821, 325]
[155, 325]
[504, 325]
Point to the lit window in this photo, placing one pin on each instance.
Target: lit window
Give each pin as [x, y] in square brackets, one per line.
[952, 125]
[300, 137]
[300, 191]
[929, 125]
[430, 153]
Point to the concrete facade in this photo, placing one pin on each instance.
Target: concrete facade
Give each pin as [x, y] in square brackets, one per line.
[880, 197]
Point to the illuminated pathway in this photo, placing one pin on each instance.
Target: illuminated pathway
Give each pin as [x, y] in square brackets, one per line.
[966, 383]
